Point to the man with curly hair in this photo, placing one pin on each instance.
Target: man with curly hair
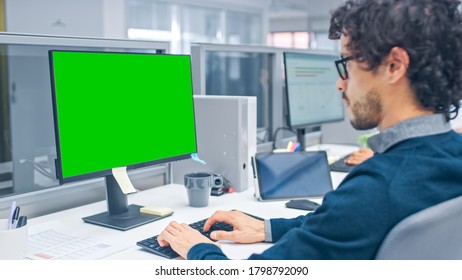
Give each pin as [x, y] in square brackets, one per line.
[400, 71]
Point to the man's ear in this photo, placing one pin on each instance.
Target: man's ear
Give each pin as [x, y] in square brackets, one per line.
[397, 64]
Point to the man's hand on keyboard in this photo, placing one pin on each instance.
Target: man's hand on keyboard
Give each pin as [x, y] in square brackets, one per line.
[359, 156]
[246, 228]
[181, 237]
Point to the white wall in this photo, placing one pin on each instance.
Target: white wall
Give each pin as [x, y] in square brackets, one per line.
[114, 19]
[106, 18]
[288, 24]
[301, 15]
[55, 17]
[90, 18]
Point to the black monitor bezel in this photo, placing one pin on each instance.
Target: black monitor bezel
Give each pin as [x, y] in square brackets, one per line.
[288, 117]
[103, 173]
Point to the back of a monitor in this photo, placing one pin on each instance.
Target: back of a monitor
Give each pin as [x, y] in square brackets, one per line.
[226, 139]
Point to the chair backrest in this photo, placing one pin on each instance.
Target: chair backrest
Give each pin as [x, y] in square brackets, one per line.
[433, 233]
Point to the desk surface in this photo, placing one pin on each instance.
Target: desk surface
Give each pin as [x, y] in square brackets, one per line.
[174, 196]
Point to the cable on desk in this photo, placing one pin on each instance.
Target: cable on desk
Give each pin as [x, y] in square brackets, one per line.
[276, 132]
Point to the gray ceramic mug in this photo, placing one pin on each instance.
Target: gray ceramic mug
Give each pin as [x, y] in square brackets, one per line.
[198, 185]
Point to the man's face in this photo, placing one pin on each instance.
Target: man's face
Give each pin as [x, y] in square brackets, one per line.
[361, 92]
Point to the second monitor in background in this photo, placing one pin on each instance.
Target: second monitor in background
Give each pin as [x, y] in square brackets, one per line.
[312, 97]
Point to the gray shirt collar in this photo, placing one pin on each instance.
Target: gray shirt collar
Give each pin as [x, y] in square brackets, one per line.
[415, 127]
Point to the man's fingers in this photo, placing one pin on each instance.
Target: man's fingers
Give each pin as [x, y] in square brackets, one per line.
[162, 238]
[174, 227]
[222, 235]
[162, 242]
[218, 216]
[169, 232]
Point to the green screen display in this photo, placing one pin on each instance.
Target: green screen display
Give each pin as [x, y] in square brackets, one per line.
[121, 109]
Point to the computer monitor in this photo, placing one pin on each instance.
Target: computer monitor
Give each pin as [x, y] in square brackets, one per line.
[312, 97]
[114, 110]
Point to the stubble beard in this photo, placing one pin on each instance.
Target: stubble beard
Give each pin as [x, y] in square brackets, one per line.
[366, 112]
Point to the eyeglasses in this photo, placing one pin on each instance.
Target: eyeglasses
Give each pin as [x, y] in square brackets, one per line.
[341, 65]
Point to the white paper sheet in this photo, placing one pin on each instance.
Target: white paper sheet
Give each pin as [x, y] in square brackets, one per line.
[53, 241]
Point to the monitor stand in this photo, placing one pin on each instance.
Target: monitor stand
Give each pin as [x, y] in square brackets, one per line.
[120, 215]
[301, 139]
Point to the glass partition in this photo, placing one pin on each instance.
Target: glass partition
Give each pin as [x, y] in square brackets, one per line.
[250, 71]
[27, 145]
[241, 70]
[186, 22]
[235, 73]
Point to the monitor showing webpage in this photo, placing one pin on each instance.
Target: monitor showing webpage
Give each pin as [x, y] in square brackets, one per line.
[312, 96]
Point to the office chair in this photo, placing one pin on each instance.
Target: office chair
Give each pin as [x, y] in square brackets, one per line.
[433, 233]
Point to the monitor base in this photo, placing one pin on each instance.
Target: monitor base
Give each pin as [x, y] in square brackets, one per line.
[125, 221]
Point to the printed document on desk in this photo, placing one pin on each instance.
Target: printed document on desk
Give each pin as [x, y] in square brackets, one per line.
[54, 241]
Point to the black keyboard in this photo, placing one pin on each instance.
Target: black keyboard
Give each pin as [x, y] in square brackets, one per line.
[341, 166]
[151, 244]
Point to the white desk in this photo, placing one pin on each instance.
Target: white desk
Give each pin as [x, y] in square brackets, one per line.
[174, 196]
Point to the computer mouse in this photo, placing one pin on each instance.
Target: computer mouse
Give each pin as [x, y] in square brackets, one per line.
[302, 204]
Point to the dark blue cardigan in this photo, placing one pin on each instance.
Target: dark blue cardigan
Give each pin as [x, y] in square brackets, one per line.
[354, 219]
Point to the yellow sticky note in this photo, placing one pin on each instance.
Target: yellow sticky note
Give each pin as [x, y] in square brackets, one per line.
[121, 176]
[156, 210]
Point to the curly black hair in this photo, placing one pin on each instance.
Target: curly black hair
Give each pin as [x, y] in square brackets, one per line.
[429, 30]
